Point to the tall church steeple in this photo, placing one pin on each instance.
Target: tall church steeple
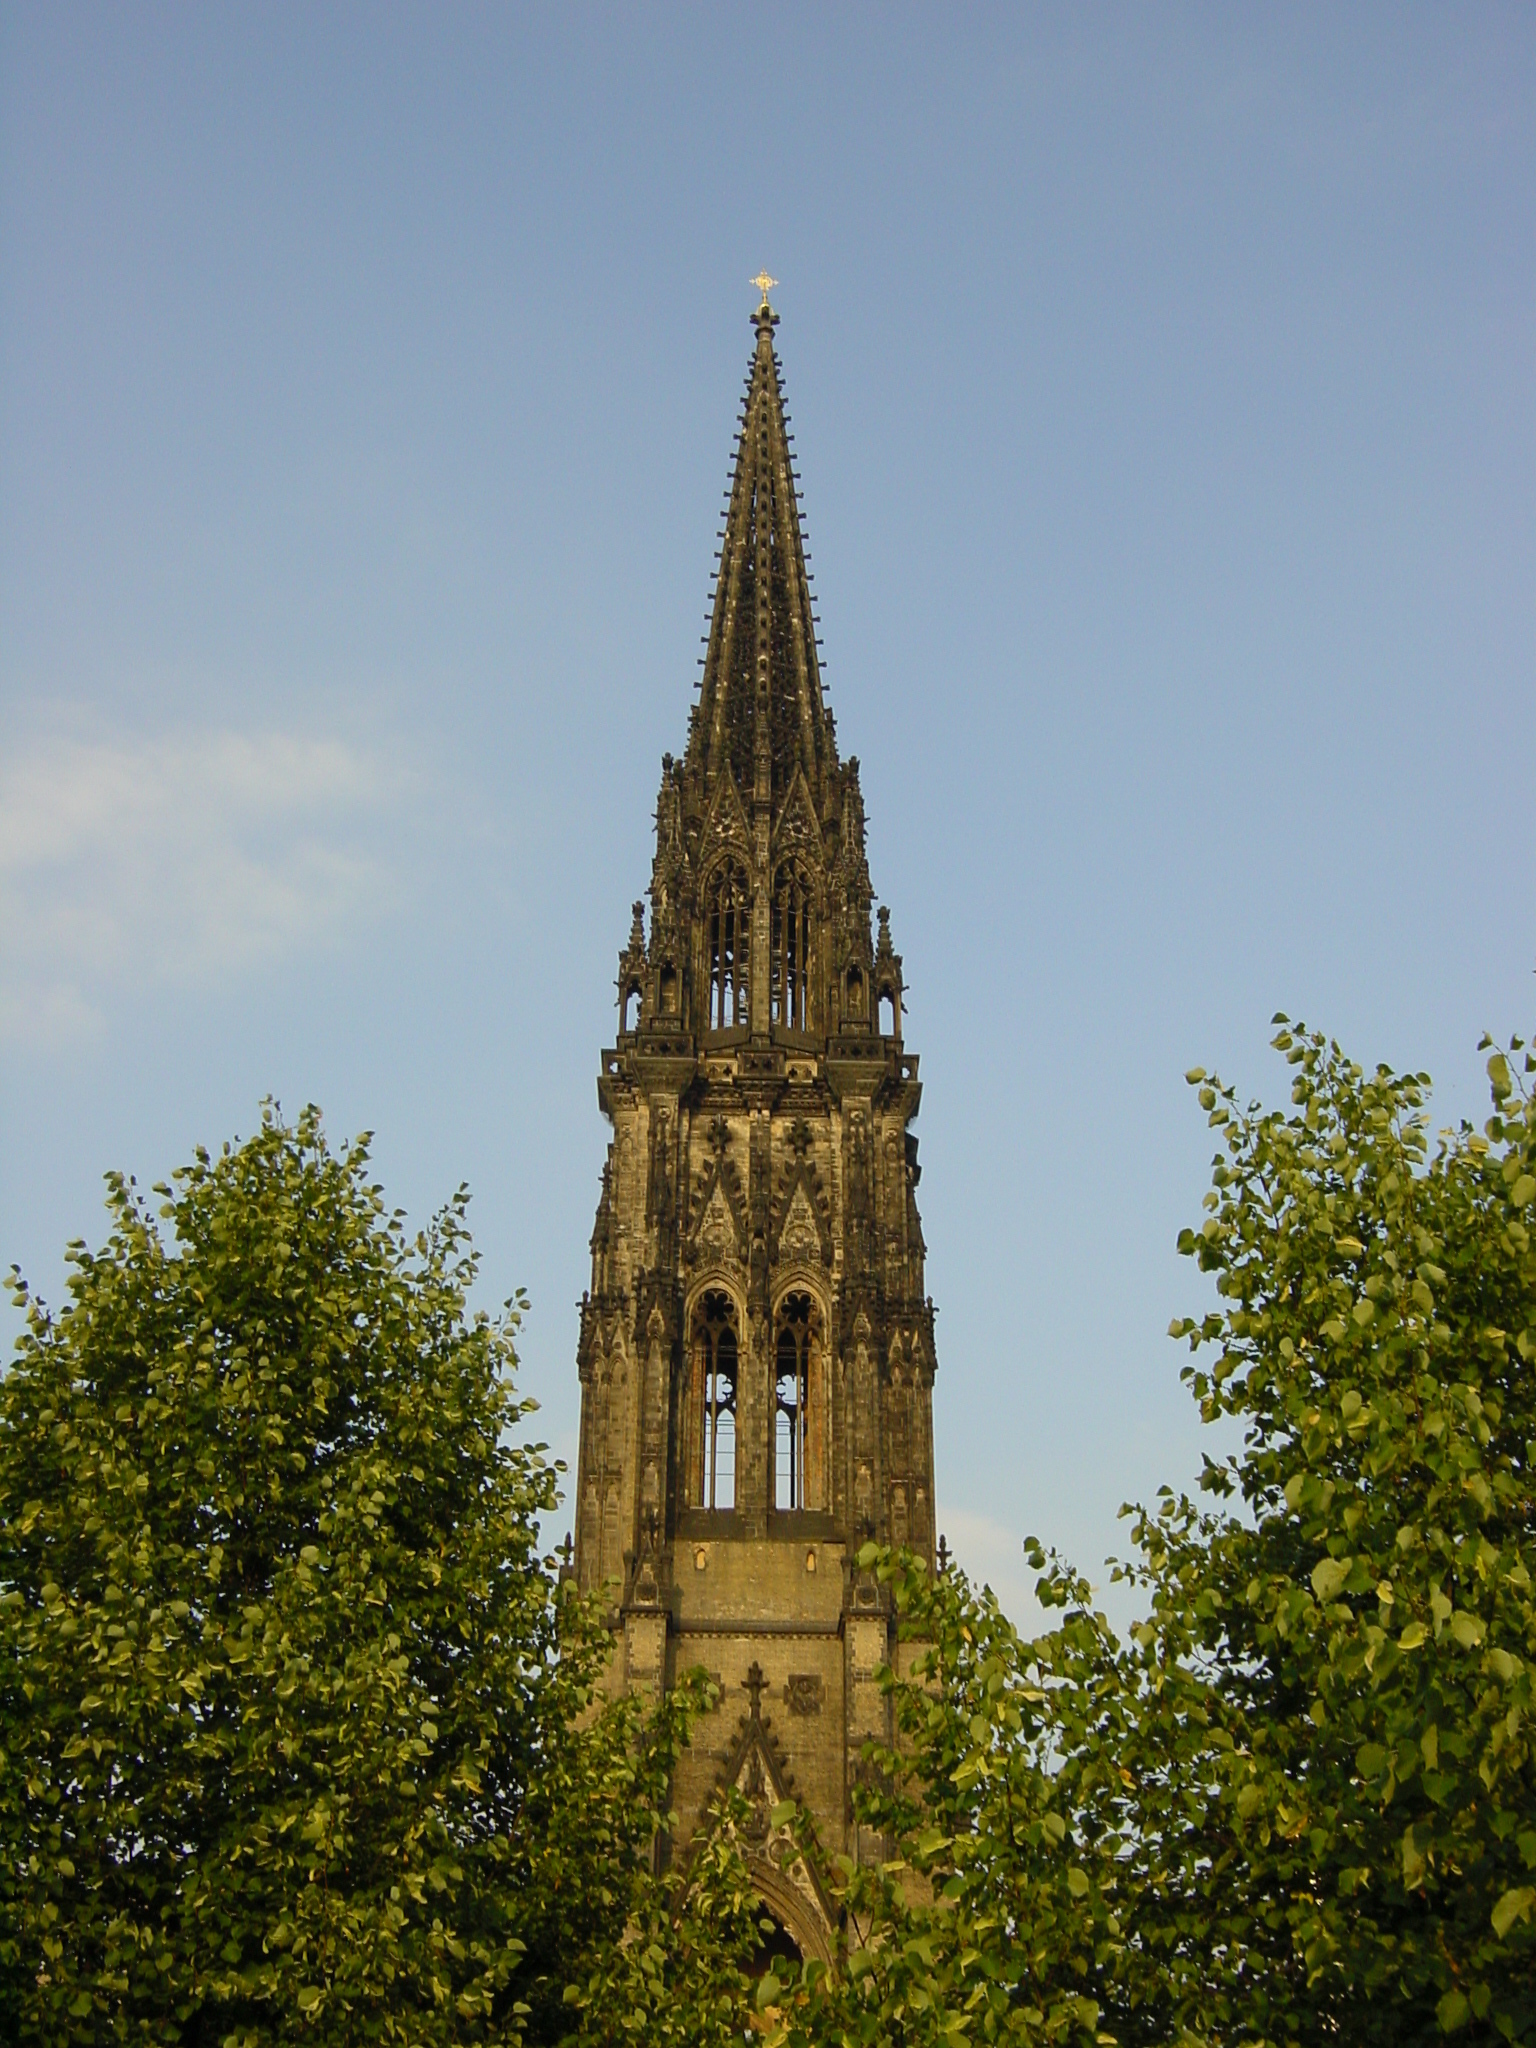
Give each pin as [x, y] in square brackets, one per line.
[756, 1349]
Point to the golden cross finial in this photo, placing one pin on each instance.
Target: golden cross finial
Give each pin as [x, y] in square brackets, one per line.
[765, 285]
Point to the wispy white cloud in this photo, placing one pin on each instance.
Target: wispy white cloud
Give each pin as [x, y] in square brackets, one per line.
[991, 1554]
[143, 862]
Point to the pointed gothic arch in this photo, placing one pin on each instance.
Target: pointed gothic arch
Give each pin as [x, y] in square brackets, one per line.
[727, 935]
[855, 996]
[710, 1444]
[792, 942]
[802, 1401]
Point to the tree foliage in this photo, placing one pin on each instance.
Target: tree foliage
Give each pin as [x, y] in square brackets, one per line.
[1298, 1803]
[297, 1740]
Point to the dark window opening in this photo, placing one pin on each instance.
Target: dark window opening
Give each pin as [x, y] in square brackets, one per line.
[792, 1368]
[715, 1361]
[777, 1946]
[791, 951]
[729, 921]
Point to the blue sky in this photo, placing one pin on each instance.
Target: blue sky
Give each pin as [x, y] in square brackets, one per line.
[1163, 385]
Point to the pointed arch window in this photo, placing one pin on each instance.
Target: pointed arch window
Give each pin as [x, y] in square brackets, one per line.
[712, 1426]
[790, 980]
[728, 923]
[792, 1400]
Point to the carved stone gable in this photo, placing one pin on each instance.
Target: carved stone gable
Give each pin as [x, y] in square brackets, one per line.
[718, 1233]
[797, 831]
[717, 1226]
[802, 1223]
[800, 1238]
[784, 1875]
[725, 824]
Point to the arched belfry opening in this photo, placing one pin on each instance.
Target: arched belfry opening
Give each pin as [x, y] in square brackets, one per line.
[791, 986]
[715, 1356]
[800, 1404]
[727, 946]
[756, 1346]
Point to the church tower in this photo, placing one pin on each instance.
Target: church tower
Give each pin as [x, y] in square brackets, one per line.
[756, 1351]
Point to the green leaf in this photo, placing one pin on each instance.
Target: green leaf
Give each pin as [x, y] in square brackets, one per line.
[1512, 1906]
[1328, 1576]
[1453, 2012]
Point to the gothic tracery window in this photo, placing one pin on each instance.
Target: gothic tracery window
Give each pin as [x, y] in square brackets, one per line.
[715, 1355]
[728, 916]
[792, 1370]
[791, 950]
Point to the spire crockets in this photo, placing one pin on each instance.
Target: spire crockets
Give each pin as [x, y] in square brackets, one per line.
[760, 711]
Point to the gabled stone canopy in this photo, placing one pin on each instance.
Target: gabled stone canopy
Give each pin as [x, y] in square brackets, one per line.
[788, 1877]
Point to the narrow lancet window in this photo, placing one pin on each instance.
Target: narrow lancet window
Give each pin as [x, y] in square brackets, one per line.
[729, 915]
[792, 1366]
[714, 1420]
[791, 961]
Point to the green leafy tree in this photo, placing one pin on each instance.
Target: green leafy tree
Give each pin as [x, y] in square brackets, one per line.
[297, 1740]
[1298, 1804]
[995, 1918]
[681, 1975]
[1366, 1625]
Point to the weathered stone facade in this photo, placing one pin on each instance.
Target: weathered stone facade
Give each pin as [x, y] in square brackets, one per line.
[756, 1350]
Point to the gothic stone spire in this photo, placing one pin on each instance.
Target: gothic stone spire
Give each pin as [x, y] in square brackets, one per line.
[756, 1349]
[760, 712]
